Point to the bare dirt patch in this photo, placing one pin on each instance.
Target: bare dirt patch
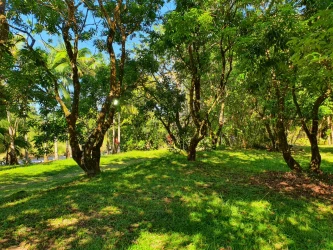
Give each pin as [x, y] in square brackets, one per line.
[297, 185]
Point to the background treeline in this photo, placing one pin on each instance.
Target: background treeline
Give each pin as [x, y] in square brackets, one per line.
[82, 78]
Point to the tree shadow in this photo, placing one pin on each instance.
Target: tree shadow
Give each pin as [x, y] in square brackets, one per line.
[167, 203]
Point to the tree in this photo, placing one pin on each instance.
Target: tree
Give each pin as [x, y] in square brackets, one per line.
[199, 37]
[313, 63]
[265, 55]
[120, 19]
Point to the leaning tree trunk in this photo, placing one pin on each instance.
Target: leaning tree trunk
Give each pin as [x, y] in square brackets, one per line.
[280, 127]
[271, 136]
[284, 147]
[312, 135]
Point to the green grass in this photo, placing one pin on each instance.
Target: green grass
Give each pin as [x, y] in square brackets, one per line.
[158, 200]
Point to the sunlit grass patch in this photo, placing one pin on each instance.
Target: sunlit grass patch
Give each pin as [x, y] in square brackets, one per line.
[158, 200]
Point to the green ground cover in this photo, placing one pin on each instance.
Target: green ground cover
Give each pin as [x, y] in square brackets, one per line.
[158, 200]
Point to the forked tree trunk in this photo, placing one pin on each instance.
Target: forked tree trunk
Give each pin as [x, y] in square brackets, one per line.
[90, 161]
[312, 135]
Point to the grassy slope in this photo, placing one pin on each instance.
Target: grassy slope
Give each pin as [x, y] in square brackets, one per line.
[157, 200]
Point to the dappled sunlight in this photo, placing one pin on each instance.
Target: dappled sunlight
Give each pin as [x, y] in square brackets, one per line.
[110, 210]
[166, 203]
[62, 222]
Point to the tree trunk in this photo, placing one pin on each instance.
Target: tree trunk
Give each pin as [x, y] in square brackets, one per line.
[56, 156]
[315, 156]
[284, 147]
[329, 138]
[192, 150]
[312, 135]
[271, 136]
[281, 130]
[4, 27]
[108, 144]
[118, 146]
[90, 161]
[12, 134]
[331, 134]
[26, 153]
[12, 152]
[113, 138]
[46, 159]
[68, 150]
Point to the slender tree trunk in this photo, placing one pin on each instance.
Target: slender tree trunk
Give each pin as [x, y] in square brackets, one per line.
[12, 134]
[215, 136]
[118, 147]
[46, 159]
[329, 138]
[56, 156]
[113, 138]
[68, 150]
[331, 134]
[108, 144]
[26, 153]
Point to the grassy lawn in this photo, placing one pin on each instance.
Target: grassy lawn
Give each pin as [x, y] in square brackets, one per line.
[158, 200]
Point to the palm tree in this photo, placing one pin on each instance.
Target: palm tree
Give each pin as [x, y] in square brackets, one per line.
[6, 143]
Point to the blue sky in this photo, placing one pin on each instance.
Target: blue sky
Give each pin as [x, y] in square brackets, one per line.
[90, 44]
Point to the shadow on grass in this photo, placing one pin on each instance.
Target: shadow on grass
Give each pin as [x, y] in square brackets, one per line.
[43, 176]
[168, 203]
